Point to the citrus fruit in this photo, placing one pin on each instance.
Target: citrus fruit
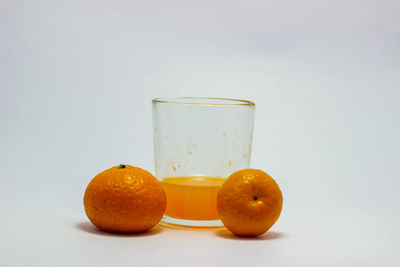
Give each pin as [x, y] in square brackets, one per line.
[124, 199]
[249, 202]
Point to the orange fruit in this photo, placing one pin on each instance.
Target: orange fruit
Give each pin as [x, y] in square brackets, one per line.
[249, 202]
[125, 199]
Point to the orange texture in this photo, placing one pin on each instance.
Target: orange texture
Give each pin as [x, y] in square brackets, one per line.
[192, 198]
[249, 202]
[124, 199]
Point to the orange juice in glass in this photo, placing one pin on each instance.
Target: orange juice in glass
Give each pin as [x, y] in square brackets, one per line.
[198, 143]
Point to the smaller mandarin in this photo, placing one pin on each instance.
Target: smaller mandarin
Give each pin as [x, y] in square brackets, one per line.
[249, 202]
[125, 199]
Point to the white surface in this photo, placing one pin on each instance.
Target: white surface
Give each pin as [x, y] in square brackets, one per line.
[77, 78]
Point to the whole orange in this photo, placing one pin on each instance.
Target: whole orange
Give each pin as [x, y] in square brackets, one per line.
[125, 199]
[249, 202]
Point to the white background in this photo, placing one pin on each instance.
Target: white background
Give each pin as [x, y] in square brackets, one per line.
[77, 78]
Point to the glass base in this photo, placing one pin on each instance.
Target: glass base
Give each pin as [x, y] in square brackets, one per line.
[191, 224]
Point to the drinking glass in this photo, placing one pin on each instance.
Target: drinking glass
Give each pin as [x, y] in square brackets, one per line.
[198, 143]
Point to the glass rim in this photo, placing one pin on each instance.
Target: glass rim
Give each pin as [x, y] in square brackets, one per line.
[203, 101]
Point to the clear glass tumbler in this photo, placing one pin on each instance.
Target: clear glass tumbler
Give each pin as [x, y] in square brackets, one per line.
[198, 143]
